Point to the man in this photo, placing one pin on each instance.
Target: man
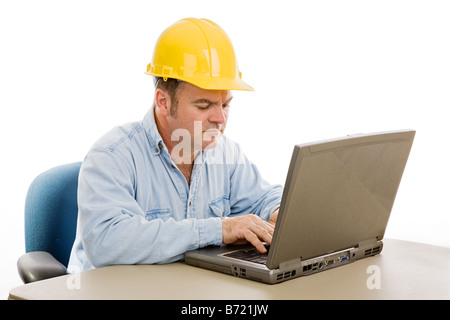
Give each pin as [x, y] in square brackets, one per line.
[150, 191]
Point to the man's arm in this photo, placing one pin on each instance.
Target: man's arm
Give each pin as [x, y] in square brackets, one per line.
[113, 227]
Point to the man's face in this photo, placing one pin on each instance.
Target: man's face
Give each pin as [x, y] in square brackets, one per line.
[202, 113]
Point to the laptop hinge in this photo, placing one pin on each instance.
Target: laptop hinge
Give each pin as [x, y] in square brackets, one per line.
[291, 264]
[368, 243]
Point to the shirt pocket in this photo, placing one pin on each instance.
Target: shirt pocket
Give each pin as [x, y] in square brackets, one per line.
[153, 214]
[220, 207]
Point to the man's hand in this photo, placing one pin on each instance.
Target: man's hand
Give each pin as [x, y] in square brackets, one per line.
[247, 228]
[274, 217]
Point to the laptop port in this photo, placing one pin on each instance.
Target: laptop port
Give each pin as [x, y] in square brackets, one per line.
[307, 268]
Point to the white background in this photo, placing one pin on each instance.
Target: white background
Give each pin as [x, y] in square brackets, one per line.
[72, 70]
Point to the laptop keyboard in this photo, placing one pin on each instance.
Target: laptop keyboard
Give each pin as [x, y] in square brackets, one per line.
[251, 255]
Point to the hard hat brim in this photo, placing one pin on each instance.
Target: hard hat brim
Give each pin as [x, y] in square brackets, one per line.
[211, 83]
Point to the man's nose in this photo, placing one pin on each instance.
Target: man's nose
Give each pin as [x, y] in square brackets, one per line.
[217, 115]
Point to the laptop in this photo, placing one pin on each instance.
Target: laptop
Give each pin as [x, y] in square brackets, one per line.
[335, 207]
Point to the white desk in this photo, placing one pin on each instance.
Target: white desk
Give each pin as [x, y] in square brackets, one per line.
[406, 270]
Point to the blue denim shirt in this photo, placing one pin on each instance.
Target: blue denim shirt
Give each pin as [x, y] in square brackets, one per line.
[135, 206]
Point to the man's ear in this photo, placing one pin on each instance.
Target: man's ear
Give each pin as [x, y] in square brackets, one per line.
[162, 101]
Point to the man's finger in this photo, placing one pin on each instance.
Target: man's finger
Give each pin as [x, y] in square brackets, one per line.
[255, 241]
[264, 234]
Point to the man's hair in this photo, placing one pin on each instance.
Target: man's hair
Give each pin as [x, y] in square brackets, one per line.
[171, 86]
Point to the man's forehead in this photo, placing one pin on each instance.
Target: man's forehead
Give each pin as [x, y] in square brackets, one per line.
[199, 95]
[212, 101]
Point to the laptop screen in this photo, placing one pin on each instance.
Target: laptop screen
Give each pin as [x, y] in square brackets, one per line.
[339, 193]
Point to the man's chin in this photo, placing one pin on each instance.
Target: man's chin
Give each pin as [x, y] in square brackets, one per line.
[212, 142]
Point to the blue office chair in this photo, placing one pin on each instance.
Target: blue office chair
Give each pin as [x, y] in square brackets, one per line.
[51, 212]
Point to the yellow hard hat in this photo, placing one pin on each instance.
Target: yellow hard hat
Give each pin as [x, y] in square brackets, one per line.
[197, 51]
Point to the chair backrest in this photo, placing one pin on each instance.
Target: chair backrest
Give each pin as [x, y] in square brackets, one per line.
[51, 212]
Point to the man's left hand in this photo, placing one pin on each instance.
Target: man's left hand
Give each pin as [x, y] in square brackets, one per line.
[274, 217]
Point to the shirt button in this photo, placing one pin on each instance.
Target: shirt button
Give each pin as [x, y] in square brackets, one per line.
[223, 214]
[189, 203]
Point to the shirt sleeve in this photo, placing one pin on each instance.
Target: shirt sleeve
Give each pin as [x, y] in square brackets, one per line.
[114, 229]
[250, 193]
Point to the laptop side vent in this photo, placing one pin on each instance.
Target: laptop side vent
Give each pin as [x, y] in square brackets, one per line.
[286, 275]
[372, 251]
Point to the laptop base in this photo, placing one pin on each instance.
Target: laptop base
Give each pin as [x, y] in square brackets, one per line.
[217, 260]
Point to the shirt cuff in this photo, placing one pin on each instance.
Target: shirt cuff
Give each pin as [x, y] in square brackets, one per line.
[209, 232]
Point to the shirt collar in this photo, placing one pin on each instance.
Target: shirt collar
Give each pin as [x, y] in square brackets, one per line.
[149, 124]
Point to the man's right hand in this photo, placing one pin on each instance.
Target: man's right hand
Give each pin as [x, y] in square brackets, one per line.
[247, 228]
